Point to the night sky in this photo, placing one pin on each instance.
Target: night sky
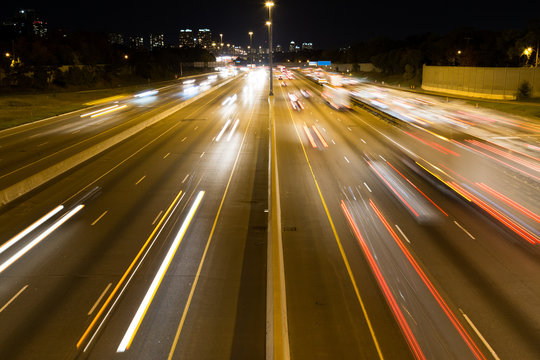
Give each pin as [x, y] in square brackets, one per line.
[325, 23]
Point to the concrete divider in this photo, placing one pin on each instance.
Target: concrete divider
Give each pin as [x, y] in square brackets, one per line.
[32, 182]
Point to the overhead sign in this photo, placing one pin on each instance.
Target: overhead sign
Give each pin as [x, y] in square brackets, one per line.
[324, 63]
[312, 63]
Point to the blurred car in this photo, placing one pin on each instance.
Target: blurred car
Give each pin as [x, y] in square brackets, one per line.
[295, 102]
[305, 93]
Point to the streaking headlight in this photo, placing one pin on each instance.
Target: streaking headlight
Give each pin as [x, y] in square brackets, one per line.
[146, 93]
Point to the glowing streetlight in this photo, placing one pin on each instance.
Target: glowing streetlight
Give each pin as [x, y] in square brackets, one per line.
[251, 46]
[270, 5]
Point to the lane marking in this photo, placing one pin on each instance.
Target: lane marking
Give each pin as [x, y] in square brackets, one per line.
[123, 278]
[183, 181]
[464, 230]
[141, 179]
[99, 218]
[157, 217]
[402, 233]
[210, 236]
[363, 141]
[347, 159]
[13, 298]
[340, 247]
[167, 154]
[99, 299]
[493, 353]
[367, 186]
[184, 139]
[158, 278]
[202, 154]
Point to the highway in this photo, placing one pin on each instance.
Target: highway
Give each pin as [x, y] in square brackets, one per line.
[160, 247]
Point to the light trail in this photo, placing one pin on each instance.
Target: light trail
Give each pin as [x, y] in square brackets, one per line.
[223, 130]
[319, 135]
[39, 238]
[231, 133]
[143, 307]
[31, 228]
[108, 111]
[98, 111]
[310, 137]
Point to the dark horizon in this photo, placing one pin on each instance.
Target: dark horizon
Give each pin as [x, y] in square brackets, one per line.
[335, 27]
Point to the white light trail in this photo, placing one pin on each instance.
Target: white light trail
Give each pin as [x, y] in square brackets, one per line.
[233, 129]
[223, 130]
[31, 228]
[100, 110]
[38, 239]
[143, 307]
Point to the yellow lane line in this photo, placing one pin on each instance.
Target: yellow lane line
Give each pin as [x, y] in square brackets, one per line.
[201, 263]
[121, 281]
[338, 241]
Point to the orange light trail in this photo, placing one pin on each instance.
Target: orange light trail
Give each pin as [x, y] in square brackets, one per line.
[420, 191]
[498, 160]
[506, 155]
[394, 190]
[404, 326]
[531, 238]
[426, 143]
[325, 144]
[461, 330]
[310, 137]
[510, 202]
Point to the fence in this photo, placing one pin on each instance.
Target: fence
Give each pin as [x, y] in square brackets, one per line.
[481, 82]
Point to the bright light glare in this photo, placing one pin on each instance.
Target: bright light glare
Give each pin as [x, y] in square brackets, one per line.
[223, 130]
[29, 229]
[38, 239]
[186, 82]
[146, 93]
[233, 129]
[108, 111]
[97, 111]
[137, 319]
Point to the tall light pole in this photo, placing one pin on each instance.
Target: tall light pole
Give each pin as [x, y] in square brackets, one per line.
[251, 47]
[269, 5]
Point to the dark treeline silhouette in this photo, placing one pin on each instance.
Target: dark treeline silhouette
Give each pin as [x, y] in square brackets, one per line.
[86, 60]
[461, 47]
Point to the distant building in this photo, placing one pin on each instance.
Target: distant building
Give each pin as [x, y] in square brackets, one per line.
[307, 46]
[204, 38]
[292, 46]
[136, 42]
[279, 48]
[157, 41]
[26, 22]
[186, 38]
[116, 39]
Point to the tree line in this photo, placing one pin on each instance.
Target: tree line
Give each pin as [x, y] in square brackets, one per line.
[87, 60]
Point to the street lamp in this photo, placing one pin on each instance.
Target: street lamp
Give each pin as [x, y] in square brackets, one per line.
[269, 5]
[251, 47]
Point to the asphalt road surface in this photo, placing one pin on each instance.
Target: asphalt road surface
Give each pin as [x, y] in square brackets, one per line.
[159, 248]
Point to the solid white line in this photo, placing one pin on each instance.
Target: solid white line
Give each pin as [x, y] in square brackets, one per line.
[157, 217]
[465, 230]
[13, 298]
[493, 353]
[31, 228]
[99, 218]
[403, 234]
[367, 187]
[99, 299]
